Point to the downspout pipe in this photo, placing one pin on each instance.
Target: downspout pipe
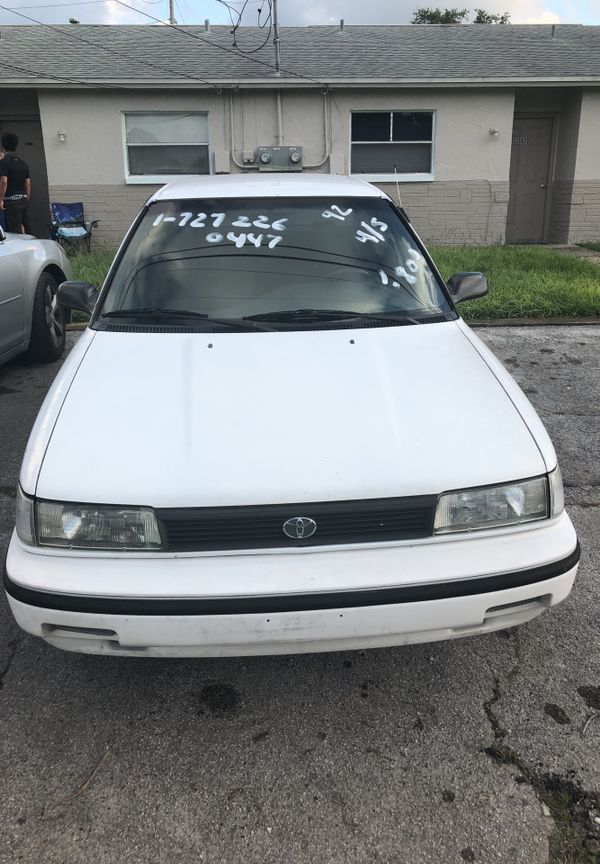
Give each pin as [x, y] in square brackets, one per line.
[279, 119]
[326, 122]
[232, 136]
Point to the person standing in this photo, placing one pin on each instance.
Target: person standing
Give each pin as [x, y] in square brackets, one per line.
[15, 187]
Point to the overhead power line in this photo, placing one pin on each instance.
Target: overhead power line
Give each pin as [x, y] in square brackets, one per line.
[78, 3]
[268, 22]
[216, 45]
[68, 34]
[74, 36]
[58, 5]
[60, 78]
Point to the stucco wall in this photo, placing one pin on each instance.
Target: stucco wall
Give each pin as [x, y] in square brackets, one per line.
[587, 165]
[576, 189]
[466, 201]
[564, 169]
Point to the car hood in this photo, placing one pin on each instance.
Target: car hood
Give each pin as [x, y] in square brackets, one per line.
[189, 419]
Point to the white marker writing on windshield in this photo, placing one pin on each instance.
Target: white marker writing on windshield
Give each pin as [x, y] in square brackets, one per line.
[336, 212]
[370, 232]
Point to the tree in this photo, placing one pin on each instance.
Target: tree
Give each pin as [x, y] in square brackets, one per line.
[483, 17]
[426, 15]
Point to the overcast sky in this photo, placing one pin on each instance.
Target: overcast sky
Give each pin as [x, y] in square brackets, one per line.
[292, 12]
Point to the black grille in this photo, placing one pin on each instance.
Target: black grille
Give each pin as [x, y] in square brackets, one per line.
[261, 527]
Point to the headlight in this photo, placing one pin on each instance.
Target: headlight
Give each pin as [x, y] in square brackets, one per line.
[84, 526]
[493, 506]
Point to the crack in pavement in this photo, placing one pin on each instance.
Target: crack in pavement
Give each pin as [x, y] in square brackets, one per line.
[576, 835]
[13, 646]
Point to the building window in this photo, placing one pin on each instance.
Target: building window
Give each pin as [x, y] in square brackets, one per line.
[166, 144]
[386, 143]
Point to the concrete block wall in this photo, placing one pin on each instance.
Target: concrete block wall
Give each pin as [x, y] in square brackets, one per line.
[584, 221]
[560, 214]
[116, 206]
[453, 212]
[575, 214]
[456, 212]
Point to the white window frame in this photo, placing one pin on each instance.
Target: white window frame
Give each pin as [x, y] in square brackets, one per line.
[153, 179]
[418, 177]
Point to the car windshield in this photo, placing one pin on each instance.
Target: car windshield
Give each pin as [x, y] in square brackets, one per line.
[273, 258]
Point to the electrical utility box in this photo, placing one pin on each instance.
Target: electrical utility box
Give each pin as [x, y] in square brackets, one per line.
[279, 158]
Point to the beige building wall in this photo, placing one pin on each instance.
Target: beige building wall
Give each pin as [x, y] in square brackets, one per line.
[584, 223]
[576, 186]
[564, 169]
[466, 201]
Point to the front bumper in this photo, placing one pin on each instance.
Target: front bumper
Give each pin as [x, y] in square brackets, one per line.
[293, 601]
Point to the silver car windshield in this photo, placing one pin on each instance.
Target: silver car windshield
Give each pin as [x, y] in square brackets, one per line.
[229, 258]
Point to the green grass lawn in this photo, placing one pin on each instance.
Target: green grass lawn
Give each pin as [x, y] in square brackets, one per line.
[594, 245]
[525, 281]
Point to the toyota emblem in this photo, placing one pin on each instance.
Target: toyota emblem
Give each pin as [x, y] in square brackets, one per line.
[299, 528]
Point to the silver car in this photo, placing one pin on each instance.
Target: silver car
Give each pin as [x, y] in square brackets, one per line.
[30, 318]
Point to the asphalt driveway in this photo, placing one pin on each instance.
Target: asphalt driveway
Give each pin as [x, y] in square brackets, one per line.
[482, 749]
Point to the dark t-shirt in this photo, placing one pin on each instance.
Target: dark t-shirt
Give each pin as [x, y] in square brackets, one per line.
[17, 172]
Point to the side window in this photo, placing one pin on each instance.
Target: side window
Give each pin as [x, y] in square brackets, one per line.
[165, 144]
[390, 143]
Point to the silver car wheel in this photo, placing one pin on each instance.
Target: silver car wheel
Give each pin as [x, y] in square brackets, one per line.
[54, 318]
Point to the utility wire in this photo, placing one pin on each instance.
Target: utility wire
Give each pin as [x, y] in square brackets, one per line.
[268, 22]
[216, 45]
[58, 5]
[38, 74]
[71, 34]
[78, 3]
[269, 18]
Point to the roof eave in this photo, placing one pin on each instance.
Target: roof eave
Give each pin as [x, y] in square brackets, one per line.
[287, 83]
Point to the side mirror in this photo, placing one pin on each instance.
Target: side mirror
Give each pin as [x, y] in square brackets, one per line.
[467, 286]
[77, 295]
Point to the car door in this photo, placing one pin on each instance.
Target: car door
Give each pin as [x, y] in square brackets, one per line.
[12, 302]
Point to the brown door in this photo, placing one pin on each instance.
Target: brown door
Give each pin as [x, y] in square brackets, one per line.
[31, 149]
[530, 170]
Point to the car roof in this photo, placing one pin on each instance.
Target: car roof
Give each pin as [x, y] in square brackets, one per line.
[265, 185]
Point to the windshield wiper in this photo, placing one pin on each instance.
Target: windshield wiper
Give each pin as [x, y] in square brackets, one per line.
[154, 312]
[291, 315]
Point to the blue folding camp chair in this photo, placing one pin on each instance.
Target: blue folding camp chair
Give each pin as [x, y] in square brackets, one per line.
[69, 227]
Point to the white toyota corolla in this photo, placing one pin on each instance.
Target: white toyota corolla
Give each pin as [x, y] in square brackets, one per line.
[277, 435]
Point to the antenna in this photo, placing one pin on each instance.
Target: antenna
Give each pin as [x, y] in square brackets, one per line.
[397, 187]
